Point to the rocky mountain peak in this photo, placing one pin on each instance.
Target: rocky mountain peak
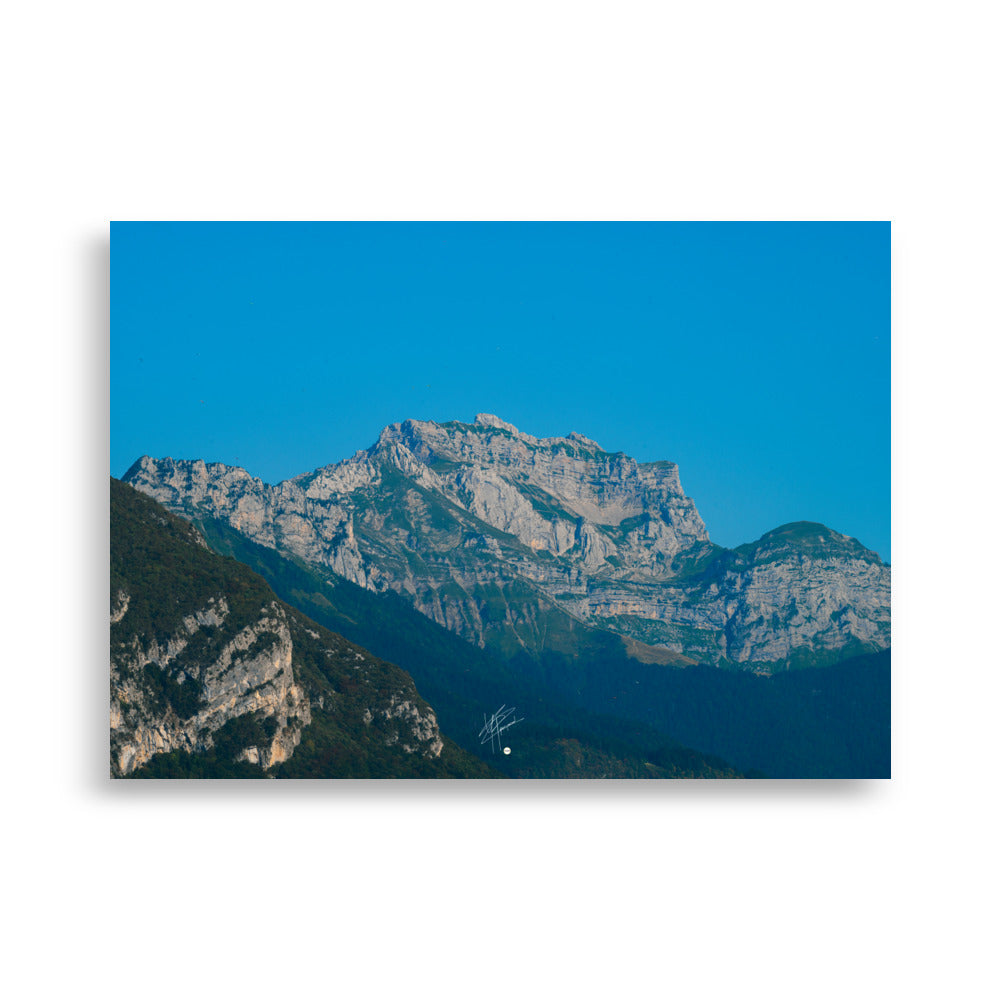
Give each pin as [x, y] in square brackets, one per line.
[461, 517]
[808, 539]
[585, 441]
[490, 420]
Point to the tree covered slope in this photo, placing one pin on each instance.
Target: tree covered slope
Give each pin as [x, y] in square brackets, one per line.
[213, 676]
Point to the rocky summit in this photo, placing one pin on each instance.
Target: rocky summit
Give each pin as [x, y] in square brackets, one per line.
[519, 543]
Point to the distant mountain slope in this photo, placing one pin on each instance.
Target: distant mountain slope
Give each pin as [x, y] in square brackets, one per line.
[602, 702]
[515, 542]
[213, 676]
[826, 722]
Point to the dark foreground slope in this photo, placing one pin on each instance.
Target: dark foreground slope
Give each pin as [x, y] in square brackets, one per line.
[558, 739]
[213, 676]
[602, 703]
[821, 722]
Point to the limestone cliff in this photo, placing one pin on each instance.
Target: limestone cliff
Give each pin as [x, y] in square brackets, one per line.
[250, 675]
[508, 539]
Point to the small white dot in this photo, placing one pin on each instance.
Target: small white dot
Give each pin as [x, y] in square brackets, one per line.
[506, 749]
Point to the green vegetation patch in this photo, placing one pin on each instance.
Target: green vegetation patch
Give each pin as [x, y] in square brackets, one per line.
[444, 465]
[157, 559]
[208, 764]
[243, 732]
[163, 689]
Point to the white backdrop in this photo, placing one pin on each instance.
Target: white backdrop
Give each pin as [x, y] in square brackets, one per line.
[771, 110]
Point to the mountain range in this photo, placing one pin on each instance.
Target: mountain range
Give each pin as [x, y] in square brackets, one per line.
[579, 579]
[512, 541]
[212, 675]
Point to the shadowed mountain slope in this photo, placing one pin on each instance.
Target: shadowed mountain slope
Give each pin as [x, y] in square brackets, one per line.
[824, 722]
[212, 675]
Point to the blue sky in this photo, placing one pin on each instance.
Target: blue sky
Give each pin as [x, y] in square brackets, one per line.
[755, 355]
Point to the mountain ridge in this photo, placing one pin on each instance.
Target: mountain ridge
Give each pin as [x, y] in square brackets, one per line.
[209, 668]
[507, 539]
[215, 675]
[824, 722]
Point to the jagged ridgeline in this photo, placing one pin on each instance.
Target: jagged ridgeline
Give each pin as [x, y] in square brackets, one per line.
[496, 567]
[213, 676]
[516, 542]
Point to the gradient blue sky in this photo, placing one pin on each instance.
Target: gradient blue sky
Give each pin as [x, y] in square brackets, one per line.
[755, 355]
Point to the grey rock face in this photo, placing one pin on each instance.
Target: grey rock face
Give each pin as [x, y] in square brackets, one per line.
[232, 683]
[508, 539]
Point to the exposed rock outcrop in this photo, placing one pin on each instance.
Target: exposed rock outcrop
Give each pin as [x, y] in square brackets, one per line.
[504, 538]
[250, 674]
[204, 658]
